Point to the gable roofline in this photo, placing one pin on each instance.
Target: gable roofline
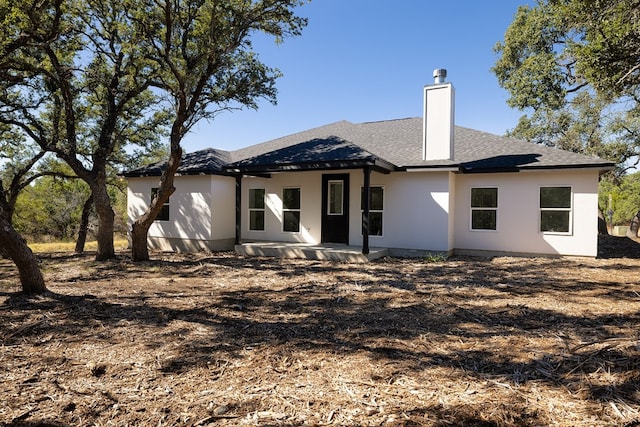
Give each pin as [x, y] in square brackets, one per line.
[331, 152]
[209, 161]
[385, 146]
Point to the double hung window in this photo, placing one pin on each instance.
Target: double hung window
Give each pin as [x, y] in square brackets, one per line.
[291, 210]
[484, 208]
[376, 209]
[555, 209]
[256, 209]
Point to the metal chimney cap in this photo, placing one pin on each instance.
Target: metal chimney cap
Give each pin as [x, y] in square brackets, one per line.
[439, 74]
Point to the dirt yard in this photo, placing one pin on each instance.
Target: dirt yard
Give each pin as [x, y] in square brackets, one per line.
[219, 340]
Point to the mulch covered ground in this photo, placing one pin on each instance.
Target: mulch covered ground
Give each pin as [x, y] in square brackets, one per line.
[220, 340]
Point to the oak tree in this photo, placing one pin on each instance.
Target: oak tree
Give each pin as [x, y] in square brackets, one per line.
[573, 66]
[17, 165]
[203, 51]
[74, 80]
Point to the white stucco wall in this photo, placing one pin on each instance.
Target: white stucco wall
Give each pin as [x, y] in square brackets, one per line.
[310, 184]
[416, 210]
[518, 214]
[423, 211]
[416, 207]
[193, 210]
[452, 211]
[223, 208]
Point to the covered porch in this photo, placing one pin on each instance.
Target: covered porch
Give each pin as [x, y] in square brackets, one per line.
[331, 158]
[324, 251]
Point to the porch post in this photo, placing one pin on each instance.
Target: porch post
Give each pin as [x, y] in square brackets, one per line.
[365, 209]
[238, 206]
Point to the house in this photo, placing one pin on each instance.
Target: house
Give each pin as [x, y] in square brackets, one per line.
[402, 187]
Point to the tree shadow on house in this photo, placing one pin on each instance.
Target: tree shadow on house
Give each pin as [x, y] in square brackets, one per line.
[503, 163]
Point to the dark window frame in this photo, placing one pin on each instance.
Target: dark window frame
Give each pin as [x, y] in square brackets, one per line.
[556, 211]
[291, 210]
[484, 209]
[376, 210]
[164, 214]
[256, 211]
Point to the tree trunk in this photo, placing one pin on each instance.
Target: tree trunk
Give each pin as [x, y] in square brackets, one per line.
[106, 220]
[15, 246]
[139, 247]
[84, 225]
[634, 227]
[602, 224]
[140, 227]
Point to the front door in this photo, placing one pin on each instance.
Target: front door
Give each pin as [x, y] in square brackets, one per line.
[335, 208]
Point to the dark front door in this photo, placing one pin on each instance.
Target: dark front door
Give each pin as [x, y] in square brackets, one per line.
[335, 208]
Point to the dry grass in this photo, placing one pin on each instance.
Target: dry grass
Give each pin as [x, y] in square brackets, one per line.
[215, 339]
[48, 247]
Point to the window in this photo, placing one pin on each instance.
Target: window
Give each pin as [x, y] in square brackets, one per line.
[256, 209]
[291, 210]
[164, 213]
[334, 205]
[555, 209]
[484, 208]
[376, 206]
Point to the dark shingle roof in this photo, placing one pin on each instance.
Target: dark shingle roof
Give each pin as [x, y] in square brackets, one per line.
[389, 144]
[478, 151]
[208, 161]
[399, 142]
[329, 152]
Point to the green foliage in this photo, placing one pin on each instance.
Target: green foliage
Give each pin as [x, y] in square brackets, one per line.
[624, 196]
[75, 82]
[51, 207]
[432, 258]
[118, 195]
[20, 164]
[97, 82]
[203, 53]
[573, 67]
[606, 53]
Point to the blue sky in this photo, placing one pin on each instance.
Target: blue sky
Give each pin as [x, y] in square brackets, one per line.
[368, 60]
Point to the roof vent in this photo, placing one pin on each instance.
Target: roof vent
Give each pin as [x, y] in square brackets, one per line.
[439, 74]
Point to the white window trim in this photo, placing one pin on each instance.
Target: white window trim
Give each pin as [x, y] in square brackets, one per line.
[250, 209]
[570, 210]
[329, 182]
[299, 210]
[471, 209]
[384, 201]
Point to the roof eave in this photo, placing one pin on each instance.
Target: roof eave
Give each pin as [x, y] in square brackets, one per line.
[599, 166]
[434, 168]
[179, 173]
[140, 174]
[377, 165]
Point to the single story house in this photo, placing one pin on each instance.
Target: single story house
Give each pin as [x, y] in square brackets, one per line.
[401, 187]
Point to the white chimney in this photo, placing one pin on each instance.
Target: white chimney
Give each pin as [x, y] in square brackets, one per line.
[438, 119]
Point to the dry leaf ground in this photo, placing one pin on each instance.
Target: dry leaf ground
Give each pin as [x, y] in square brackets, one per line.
[220, 340]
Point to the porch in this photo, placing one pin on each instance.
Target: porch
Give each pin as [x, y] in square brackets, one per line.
[326, 252]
